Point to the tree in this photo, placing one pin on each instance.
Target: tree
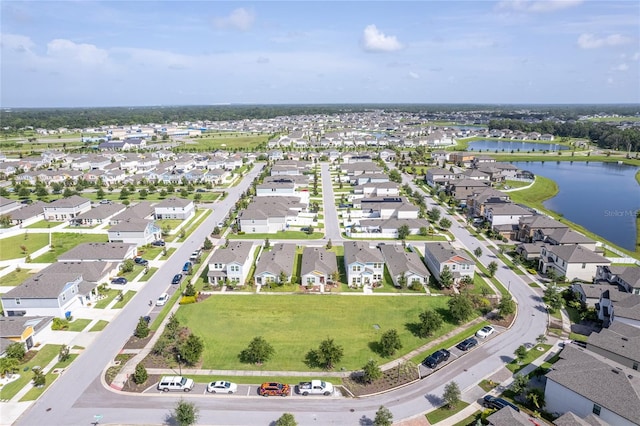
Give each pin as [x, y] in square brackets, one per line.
[521, 353]
[191, 349]
[478, 252]
[173, 325]
[286, 419]
[127, 266]
[383, 417]
[552, 297]
[445, 223]
[140, 375]
[541, 339]
[519, 384]
[197, 197]
[124, 193]
[63, 354]
[207, 244]
[68, 192]
[329, 244]
[492, 268]
[446, 277]
[267, 243]
[390, 343]
[7, 365]
[100, 194]
[5, 220]
[403, 232]
[395, 176]
[142, 329]
[39, 379]
[430, 321]
[310, 230]
[143, 193]
[329, 353]
[460, 307]
[434, 214]
[506, 306]
[451, 394]
[186, 413]
[371, 371]
[16, 351]
[190, 290]
[258, 351]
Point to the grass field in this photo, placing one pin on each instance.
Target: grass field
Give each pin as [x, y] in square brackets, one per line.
[10, 247]
[44, 224]
[294, 324]
[442, 413]
[213, 141]
[65, 242]
[99, 326]
[42, 358]
[78, 324]
[15, 278]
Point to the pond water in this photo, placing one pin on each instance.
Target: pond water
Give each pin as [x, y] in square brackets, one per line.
[602, 197]
[516, 146]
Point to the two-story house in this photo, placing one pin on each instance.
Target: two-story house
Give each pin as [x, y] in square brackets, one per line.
[231, 264]
[405, 268]
[174, 208]
[65, 209]
[364, 264]
[441, 254]
[572, 261]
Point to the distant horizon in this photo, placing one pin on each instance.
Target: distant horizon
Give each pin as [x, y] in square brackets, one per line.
[62, 54]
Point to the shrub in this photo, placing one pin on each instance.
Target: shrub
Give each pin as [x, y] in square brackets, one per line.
[140, 375]
[60, 324]
[186, 300]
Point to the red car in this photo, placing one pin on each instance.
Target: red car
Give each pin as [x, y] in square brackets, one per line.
[271, 389]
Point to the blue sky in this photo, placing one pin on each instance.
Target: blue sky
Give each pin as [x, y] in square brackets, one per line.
[77, 53]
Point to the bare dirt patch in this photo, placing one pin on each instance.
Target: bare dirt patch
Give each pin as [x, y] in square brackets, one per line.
[137, 343]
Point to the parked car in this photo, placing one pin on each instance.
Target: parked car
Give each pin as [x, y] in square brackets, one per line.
[467, 344]
[222, 386]
[271, 389]
[497, 403]
[119, 280]
[168, 383]
[485, 332]
[158, 243]
[141, 261]
[188, 266]
[176, 279]
[436, 358]
[162, 300]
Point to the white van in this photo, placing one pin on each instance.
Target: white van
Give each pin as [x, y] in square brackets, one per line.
[162, 299]
[179, 383]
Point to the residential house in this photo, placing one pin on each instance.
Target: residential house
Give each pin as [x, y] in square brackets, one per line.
[437, 176]
[566, 236]
[571, 261]
[627, 277]
[585, 383]
[619, 342]
[7, 205]
[23, 330]
[619, 307]
[405, 268]
[461, 189]
[364, 264]
[590, 294]
[504, 218]
[64, 209]
[483, 197]
[134, 231]
[441, 254]
[100, 252]
[274, 262]
[529, 251]
[231, 264]
[475, 174]
[99, 214]
[375, 189]
[386, 208]
[462, 159]
[269, 214]
[507, 416]
[174, 208]
[533, 228]
[388, 228]
[286, 188]
[141, 210]
[318, 267]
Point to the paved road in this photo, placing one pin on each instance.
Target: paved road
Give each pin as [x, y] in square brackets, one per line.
[85, 395]
[331, 225]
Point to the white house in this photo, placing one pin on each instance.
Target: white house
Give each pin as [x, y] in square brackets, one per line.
[174, 208]
[64, 209]
[572, 261]
[364, 264]
[231, 264]
[318, 266]
[135, 231]
[441, 254]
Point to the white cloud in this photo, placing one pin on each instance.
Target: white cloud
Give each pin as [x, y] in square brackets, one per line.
[636, 56]
[373, 40]
[590, 41]
[538, 6]
[414, 75]
[16, 43]
[240, 19]
[87, 54]
[622, 67]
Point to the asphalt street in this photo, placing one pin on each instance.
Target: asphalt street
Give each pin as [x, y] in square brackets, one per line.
[80, 394]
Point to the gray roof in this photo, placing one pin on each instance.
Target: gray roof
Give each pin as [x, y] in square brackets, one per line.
[399, 261]
[597, 381]
[236, 251]
[268, 185]
[594, 291]
[29, 211]
[14, 326]
[73, 201]
[568, 236]
[7, 202]
[507, 416]
[318, 259]
[40, 286]
[279, 258]
[628, 307]
[360, 251]
[270, 206]
[101, 211]
[174, 202]
[507, 209]
[629, 274]
[443, 252]
[297, 179]
[130, 225]
[541, 222]
[570, 419]
[577, 254]
[621, 339]
[90, 271]
[97, 251]
[139, 211]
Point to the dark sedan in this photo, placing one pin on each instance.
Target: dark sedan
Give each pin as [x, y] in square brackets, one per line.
[436, 358]
[119, 280]
[467, 344]
[176, 279]
[158, 243]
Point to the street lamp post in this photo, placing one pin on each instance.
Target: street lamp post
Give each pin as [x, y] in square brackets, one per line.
[179, 365]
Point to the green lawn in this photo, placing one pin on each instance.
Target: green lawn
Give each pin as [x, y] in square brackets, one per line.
[125, 299]
[442, 413]
[78, 324]
[65, 364]
[532, 354]
[16, 277]
[294, 324]
[42, 358]
[63, 242]
[148, 275]
[10, 248]
[44, 224]
[111, 294]
[213, 141]
[34, 393]
[137, 269]
[99, 326]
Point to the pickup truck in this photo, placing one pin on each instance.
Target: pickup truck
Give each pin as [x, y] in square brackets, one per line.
[315, 387]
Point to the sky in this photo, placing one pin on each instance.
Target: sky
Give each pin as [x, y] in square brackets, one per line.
[136, 53]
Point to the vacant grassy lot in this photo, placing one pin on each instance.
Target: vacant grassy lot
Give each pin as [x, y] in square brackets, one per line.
[294, 324]
[65, 242]
[212, 141]
[10, 248]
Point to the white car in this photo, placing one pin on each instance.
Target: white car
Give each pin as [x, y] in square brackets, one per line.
[222, 386]
[485, 332]
[162, 299]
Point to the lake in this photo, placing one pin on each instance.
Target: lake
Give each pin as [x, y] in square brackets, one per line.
[516, 146]
[602, 197]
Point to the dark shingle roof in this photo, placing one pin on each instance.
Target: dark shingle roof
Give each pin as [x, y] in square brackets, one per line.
[279, 259]
[318, 259]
